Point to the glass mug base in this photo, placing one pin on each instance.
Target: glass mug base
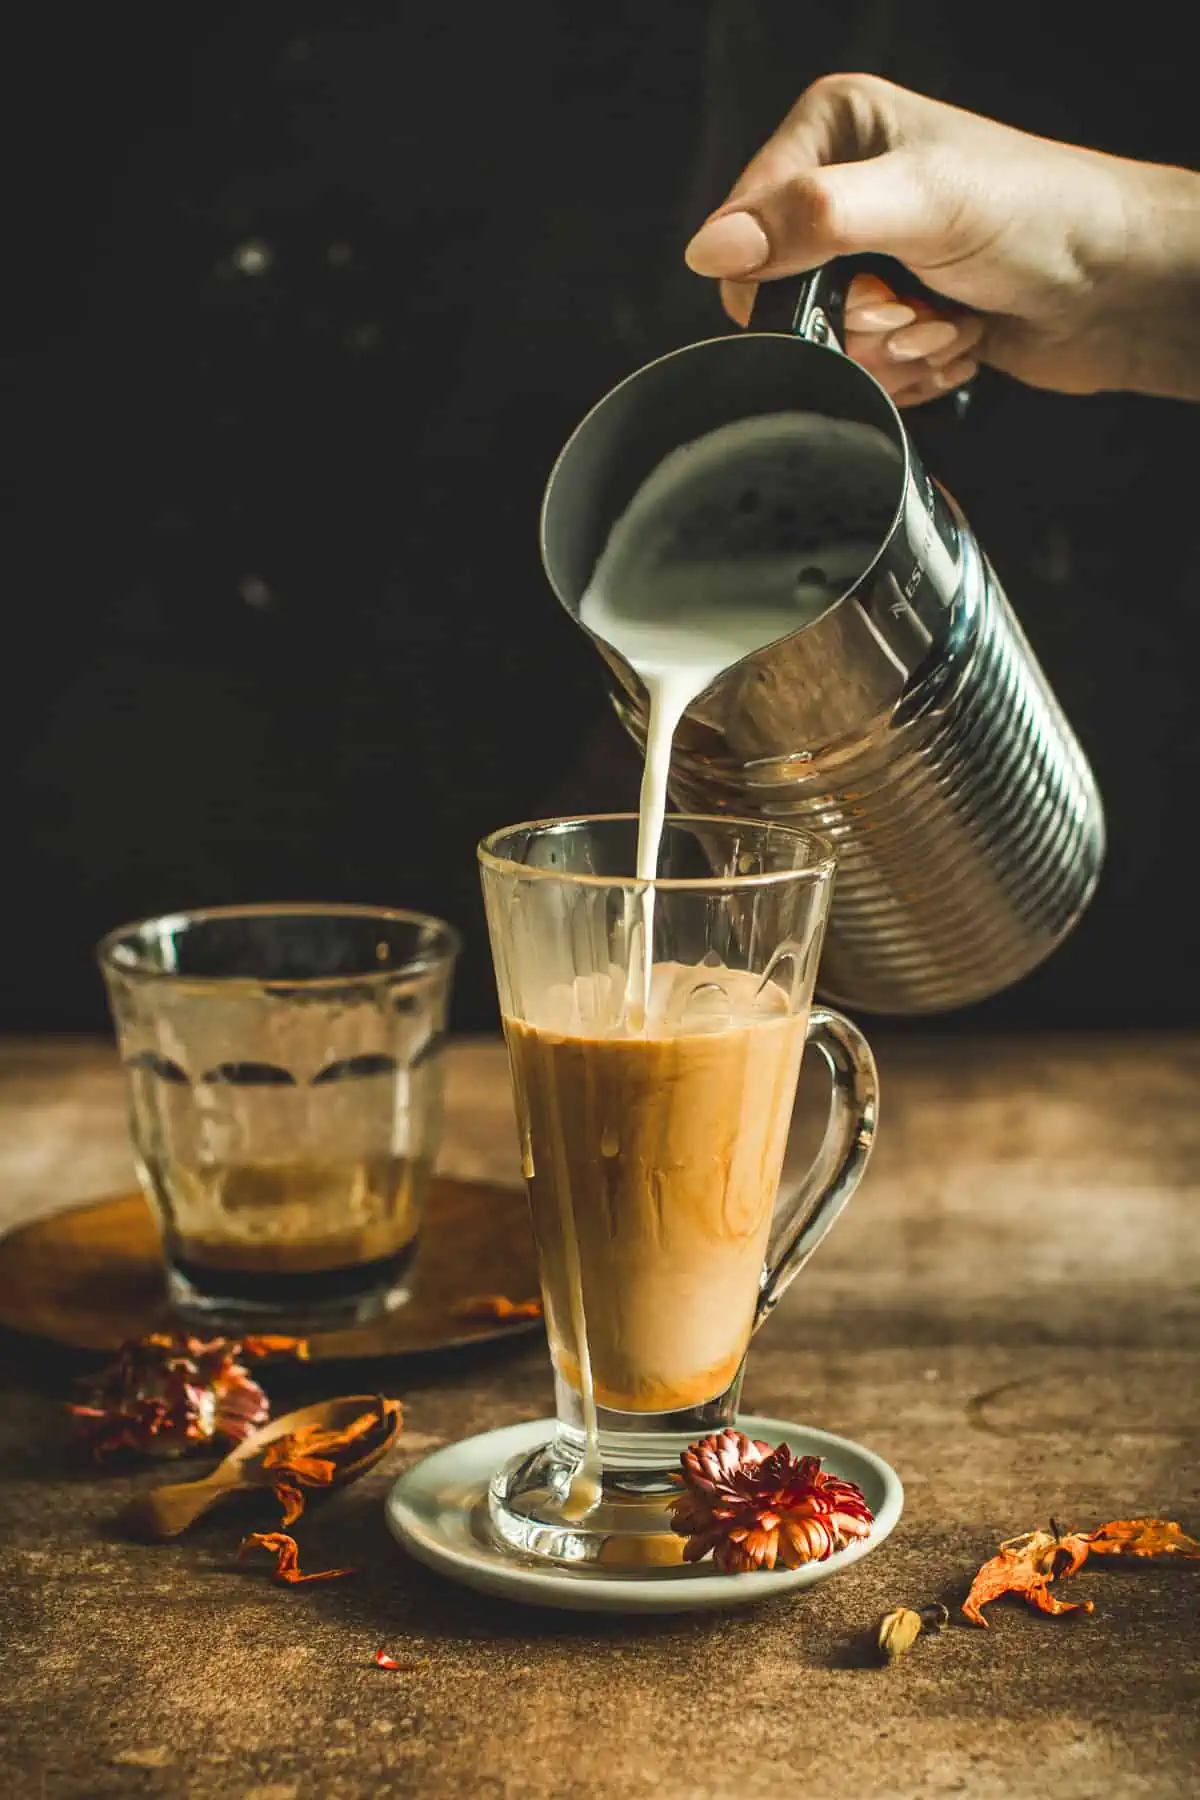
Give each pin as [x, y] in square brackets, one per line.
[290, 1303]
[547, 1504]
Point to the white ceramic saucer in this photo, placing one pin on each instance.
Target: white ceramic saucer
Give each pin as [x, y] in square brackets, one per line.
[438, 1511]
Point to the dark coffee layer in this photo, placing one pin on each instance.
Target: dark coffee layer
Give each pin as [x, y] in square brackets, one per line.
[297, 1288]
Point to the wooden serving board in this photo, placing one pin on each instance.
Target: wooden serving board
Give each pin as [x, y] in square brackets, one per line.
[92, 1277]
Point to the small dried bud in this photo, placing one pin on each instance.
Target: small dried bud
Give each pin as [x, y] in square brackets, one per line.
[898, 1632]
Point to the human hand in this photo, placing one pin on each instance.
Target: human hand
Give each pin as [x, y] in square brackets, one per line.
[1047, 258]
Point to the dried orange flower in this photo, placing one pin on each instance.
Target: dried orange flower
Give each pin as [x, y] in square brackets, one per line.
[753, 1507]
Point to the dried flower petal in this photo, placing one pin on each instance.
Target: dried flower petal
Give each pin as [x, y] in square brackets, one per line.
[286, 1552]
[311, 1456]
[292, 1501]
[753, 1507]
[295, 1464]
[312, 1453]
[899, 1631]
[289, 1457]
[167, 1395]
[498, 1307]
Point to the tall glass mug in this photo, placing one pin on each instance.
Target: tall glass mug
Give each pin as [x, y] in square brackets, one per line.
[285, 1094]
[654, 1110]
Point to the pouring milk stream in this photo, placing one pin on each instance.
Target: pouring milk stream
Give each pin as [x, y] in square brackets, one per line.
[679, 622]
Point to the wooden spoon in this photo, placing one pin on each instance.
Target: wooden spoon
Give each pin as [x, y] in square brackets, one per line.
[166, 1511]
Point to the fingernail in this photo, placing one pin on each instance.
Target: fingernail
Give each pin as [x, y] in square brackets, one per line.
[733, 245]
[955, 373]
[738, 297]
[925, 339]
[879, 318]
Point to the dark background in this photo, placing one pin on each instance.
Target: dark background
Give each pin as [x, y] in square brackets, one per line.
[312, 295]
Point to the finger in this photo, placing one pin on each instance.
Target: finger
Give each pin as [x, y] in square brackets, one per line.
[866, 291]
[869, 348]
[895, 373]
[935, 384]
[818, 214]
[955, 374]
[968, 340]
[936, 339]
[931, 337]
[837, 119]
[869, 326]
[872, 306]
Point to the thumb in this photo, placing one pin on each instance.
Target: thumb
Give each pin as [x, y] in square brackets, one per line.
[879, 204]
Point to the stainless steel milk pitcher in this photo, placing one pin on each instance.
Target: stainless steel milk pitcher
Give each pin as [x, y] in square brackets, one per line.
[909, 721]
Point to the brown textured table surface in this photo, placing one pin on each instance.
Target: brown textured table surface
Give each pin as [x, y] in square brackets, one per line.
[1009, 1313]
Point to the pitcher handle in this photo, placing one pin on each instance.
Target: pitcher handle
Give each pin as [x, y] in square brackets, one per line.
[813, 306]
[840, 1162]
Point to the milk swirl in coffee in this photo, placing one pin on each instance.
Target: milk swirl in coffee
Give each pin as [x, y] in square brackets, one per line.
[656, 1099]
[656, 1157]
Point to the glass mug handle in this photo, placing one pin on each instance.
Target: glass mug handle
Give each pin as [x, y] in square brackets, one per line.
[839, 1164]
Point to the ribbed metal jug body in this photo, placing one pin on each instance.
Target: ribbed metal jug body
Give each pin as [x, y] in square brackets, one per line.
[967, 823]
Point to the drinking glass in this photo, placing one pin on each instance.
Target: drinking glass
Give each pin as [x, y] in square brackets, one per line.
[285, 1096]
[654, 1095]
